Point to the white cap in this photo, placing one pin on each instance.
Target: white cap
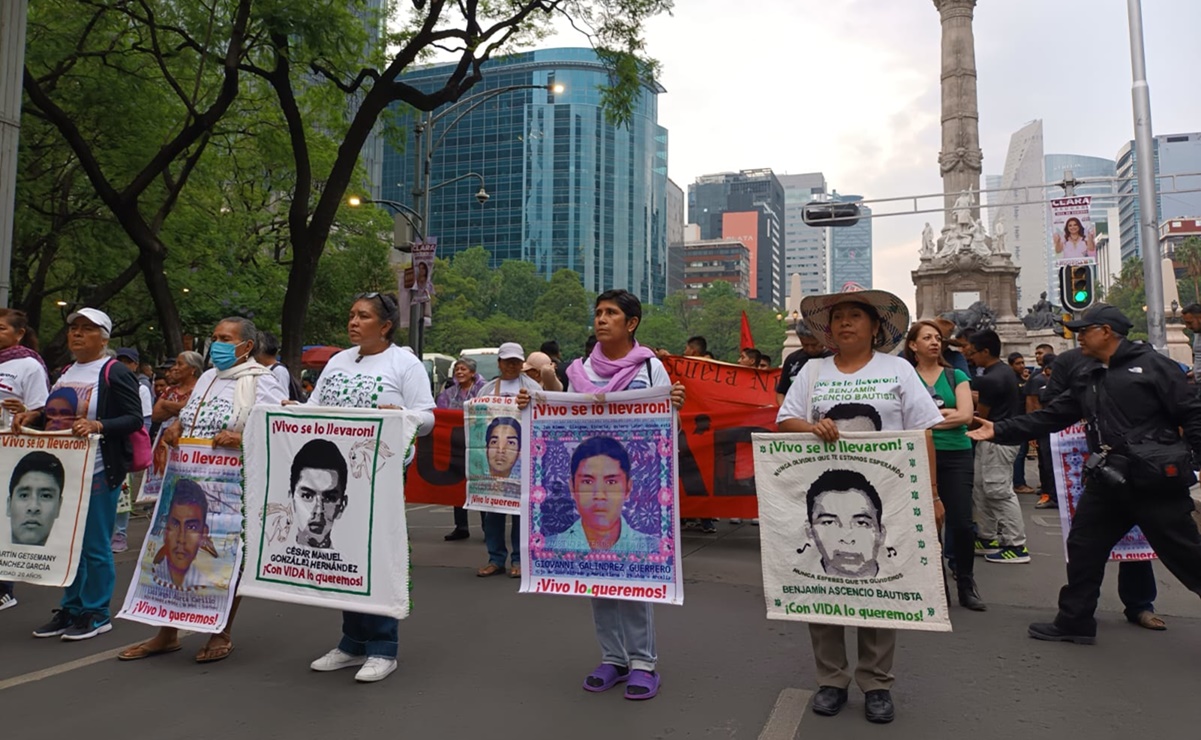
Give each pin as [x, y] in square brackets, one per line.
[511, 351]
[94, 315]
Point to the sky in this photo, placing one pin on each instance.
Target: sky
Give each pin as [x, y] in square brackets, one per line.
[851, 88]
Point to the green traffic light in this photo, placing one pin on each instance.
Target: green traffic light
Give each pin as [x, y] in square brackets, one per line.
[1081, 296]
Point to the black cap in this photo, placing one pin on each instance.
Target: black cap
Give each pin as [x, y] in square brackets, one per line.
[1102, 314]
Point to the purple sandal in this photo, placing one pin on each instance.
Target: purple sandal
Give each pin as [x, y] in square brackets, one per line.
[643, 685]
[605, 677]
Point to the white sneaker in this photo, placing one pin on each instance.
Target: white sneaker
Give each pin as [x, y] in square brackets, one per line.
[375, 669]
[7, 601]
[336, 660]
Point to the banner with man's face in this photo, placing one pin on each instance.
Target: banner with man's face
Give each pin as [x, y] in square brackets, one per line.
[600, 506]
[325, 519]
[191, 557]
[493, 437]
[847, 530]
[49, 479]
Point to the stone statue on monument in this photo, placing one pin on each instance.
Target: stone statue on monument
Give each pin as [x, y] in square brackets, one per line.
[928, 247]
[1041, 316]
[962, 211]
[998, 237]
[979, 243]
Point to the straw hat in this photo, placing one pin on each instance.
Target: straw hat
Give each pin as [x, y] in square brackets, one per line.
[894, 316]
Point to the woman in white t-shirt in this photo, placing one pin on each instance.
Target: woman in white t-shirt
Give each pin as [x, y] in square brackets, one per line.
[1075, 242]
[861, 388]
[24, 385]
[217, 409]
[375, 373]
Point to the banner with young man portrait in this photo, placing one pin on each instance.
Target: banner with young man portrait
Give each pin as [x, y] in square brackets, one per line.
[325, 516]
[599, 506]
[190, 560]
[847, 530]
[493, 438]
[45, 506]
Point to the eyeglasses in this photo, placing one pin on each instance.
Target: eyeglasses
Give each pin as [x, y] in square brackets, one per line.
[1081, 331]
[384, 300]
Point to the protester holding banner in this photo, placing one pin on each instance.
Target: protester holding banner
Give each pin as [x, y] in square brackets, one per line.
[466, 385]
[217, 409]
[624, 629]
[952, 392]
[374, 373]
[107, 403]
[24, 385]
[861, 387]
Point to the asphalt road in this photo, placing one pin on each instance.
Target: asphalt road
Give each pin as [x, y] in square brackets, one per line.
[478, 660]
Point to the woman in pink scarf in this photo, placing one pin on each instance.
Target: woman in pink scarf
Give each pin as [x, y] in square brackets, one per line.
[624, 629]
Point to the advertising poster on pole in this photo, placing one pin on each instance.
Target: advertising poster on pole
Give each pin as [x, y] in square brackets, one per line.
[49, 479]
[847, 530]
[493, 437]
[190, 560]
[325, 507]
[1069, 452]
[1073, 236]
[600, 500]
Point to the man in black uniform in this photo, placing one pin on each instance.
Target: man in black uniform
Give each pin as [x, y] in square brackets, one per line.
[1134, 402]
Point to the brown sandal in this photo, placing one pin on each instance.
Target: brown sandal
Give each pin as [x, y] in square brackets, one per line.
[1149, 620]
[212, 653]
[145, 650]
[491, 569]
[515, 571]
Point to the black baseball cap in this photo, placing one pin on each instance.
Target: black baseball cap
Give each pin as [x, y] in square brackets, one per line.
[1102, 314]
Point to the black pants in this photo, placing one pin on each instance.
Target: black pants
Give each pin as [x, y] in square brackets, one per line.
[954, 470]
[1103, 516]
[461, 518]
[1046, 473]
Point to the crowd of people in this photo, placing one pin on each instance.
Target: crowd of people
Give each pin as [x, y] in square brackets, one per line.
[983, 411]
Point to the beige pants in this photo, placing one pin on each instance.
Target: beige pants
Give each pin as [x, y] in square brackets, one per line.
[876, 650]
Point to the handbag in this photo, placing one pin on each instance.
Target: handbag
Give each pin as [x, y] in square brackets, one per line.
[139, 441]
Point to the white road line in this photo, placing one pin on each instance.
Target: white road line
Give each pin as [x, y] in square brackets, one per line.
[69, 666]
[424, 507]
[785, 719]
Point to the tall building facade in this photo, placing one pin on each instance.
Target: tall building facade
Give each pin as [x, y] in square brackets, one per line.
[805, 247]
[568, 188]
[749, 206]
[1026, 235]
[851, 250]
[1175, 154]
[709, 261]
[675, 236]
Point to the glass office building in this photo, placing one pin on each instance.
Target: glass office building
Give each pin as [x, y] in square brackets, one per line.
[851, 250]
[568, 189]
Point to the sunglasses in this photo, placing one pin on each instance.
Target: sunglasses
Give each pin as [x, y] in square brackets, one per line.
[385, 300]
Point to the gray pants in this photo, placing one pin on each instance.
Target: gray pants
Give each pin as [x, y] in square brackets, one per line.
[873, 670]
[626, 633]
[998, 514]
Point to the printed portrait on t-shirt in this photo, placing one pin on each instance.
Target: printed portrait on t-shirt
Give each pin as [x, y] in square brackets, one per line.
[854, 417]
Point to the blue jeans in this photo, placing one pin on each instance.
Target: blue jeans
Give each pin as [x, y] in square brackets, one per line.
[626, 633]
[494, 538]
[1019, 465]
[6, 587]
[1136, 587]
[92, 589]
[369, 634]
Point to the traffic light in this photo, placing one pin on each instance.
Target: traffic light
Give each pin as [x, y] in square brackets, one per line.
[818, 213]
[1076, 287]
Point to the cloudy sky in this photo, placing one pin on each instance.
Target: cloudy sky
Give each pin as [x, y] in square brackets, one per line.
[851, 88]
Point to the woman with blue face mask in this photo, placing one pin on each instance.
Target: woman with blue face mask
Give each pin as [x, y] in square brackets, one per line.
[217, 409]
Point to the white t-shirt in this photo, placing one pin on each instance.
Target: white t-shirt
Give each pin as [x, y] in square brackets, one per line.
[211, 405]
[25, 380]
[500, 387]
[657, 377]
[282, 376]
[393, 377]
[147, 401]
[78, 387]
[885, 394]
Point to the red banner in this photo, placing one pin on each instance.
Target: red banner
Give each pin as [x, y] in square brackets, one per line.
[725, 405]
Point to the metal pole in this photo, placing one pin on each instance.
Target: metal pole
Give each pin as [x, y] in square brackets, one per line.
[1144, 148]
[417, 310]
[12, 62]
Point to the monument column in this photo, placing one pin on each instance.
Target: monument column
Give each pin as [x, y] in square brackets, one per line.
[960, 158]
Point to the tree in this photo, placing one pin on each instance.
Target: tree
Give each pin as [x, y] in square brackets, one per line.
[1188, 254]
[1128, 295]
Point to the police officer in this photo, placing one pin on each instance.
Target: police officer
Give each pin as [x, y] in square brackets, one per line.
[1134, 401]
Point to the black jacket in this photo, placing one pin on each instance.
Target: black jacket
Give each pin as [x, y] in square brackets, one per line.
[1139, 389]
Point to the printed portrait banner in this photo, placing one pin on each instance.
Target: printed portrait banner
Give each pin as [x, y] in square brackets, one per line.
[325, 516]
[493, 436]
[1076, 246]
[599, 515]
[1069, 452]
[48, 488]
[847, 530]
[190, 560]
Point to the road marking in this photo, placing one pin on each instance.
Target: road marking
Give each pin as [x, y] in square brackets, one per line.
[785, 719]
[61, 668]
[423, 507]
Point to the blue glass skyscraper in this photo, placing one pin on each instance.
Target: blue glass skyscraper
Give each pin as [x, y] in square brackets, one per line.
[568, 188]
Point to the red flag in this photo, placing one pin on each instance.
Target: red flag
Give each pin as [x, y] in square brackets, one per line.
[746, 340]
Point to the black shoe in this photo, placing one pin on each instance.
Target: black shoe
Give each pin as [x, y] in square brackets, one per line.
[1049, 632]
[457, 534]
[58, 624]
[969, 597]
[829, 701]
[878, 706]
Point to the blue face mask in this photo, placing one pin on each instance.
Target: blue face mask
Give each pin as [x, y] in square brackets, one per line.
[223, 354]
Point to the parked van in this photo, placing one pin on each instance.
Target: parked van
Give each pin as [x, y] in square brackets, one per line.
[438, 367]
[486, 361]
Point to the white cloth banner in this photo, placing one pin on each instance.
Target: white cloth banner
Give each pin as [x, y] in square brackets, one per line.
[190, 559]
[847, 530]
[325, 510]
[49, 478]
[600, 505]
[493, 441]
[1069, 451]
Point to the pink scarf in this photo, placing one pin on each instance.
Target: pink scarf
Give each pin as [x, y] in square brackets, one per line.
[17, 352]
[619, 372]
